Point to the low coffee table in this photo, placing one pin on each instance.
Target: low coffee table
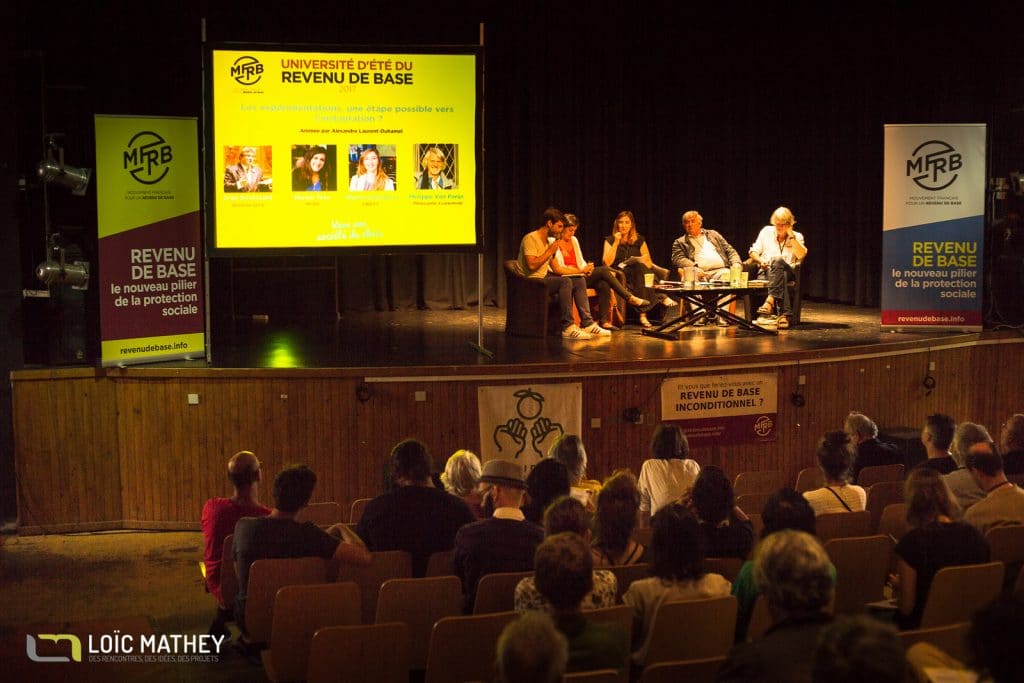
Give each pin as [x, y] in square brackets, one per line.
[708, 300]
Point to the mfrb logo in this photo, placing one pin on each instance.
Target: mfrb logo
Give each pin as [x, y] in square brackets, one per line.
[76, 647]
[147, 157]
[247, 70]
[932, 163]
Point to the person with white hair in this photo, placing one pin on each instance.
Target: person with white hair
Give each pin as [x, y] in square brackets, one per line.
[960, 482]
[793, 572]
[871, 452]
[775, 251]
[461, 478]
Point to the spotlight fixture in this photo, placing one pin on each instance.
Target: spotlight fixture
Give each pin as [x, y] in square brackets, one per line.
[56, 270]
[53, 170]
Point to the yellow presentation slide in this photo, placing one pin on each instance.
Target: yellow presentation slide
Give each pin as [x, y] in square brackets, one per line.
[342, 149]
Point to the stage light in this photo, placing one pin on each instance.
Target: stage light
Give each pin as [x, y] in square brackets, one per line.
[58, 173]
[75, 274]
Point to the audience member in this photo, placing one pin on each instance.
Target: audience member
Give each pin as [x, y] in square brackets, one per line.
[218, 521]
[567, 514]
[870, 451]
[278, 535]
[1011, 444]
[960, 482]
[678, 547]
[504, 542]
[936, 539]
[547, 480]
[569, 451]
[617, 506]
[531, 650]
[668, 475]
[413, 516]
[793, 572]
[854, 649]
[936, 437]
[461, 478]
[1003, 503]
[835, 457]
[727, 529]
[563, 570]
[785, 509]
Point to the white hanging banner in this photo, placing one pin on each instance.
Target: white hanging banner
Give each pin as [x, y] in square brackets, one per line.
[519, 423]
[933, 223]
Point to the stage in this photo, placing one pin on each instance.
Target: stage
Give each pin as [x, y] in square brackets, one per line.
[419, 339]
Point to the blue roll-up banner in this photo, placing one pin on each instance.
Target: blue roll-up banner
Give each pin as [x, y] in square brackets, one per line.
[933, 226]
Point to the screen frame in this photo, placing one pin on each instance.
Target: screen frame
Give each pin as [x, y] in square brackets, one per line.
[210, 178]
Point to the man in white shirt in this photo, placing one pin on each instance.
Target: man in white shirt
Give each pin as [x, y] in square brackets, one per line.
[775, 251]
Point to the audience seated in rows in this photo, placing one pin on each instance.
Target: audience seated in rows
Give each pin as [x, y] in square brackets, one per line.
[855, 649]
[617, 507]
[668, 475]
[960, 482]
[937, 437]
[461, 478]
[1003, 503]
[567, 514]
[785, 509]
[835, 457]
[413, 516]
[677, 572]
[504, 542]
[871, 452]
[793, 572]
[727, 529]
[569, 451]
[936, 539]
[218, 522]
[548, 480]
[531, 650]
[278, 535]
[563, 570]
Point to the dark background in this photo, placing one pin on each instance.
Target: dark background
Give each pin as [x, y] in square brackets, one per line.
[655, 108]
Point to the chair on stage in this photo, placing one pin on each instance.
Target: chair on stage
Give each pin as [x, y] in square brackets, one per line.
[766, 481]
[321, 514]
[809, 479]
[862, 566]
[958, 592]
[356, 511]
[419, 604]
[869, 476]
[464, 648]
[842, 525]
[384, 565]
[266, 577]
[530, 311]
[752, 301]
[373, 652]
[496, 592]
[299, 611]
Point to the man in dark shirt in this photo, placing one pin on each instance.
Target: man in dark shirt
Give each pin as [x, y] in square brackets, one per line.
[503, 543]
[279, 535]
[870, 451]
[936, 436]
[1011, 444]
[414, 516]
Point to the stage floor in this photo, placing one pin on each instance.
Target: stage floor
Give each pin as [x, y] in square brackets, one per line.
[444, 338]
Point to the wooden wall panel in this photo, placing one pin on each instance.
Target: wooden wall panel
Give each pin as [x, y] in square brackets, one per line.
[126, 449]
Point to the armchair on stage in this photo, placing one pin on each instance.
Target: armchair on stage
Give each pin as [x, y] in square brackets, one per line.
[531, 312]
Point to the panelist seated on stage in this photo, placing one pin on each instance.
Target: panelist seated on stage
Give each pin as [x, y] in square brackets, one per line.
[777, 249]
[706, 251]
